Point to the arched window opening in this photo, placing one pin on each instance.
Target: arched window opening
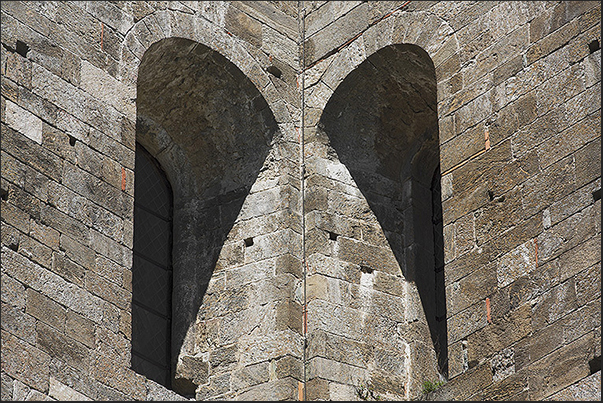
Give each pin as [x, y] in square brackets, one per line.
[381, 124]
[211, 131]
[152, 270]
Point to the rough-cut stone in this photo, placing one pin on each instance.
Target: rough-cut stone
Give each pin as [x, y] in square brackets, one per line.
[24, 122]
[313, 249]
[59, 391]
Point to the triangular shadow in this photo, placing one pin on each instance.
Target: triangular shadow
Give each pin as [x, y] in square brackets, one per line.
[382, 124]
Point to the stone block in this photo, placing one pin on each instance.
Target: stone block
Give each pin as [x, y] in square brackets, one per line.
[573, 203]
[250, 375]
[35, 251]
[23, 122]
[80, 328]
[194, 369]
[108, 247]
[288, 264]
[52, 217]
[80, 254]
[552, 42]
[106, 290]
[25, 362]
[52, 285]
[588, 388]
[464, 240]
[289, 316]
[520, 234]
[60, 391]
[336, 33]
[289, 366]
[13, 292]
[317, 389]
[243, 26]
[584, 103]
[470, 382]
[363, 254]
[588, 284]
[279, 389]
[516, 263]
[554, 304]
[98, 83]
[325, 14]
[46, 235]
[508, 388]
[390, 284]
[573, 138]
[567, 234]
[330, 370]
[501, 213]
[18, 69]
[466, 322]
[45, 162]
[473, 287]
[560, 369]
[323, 343]
[281, 47]
[548, 22]
[18, 323]
[117, 377]
[218, 385]
[59, 346]
[580, 257]
[46, 310]
[66, 268]
[125, 324]
[7, 387]
[587, 168]
[530, 286]
[94, 189]
[468, 263]
[156, 391]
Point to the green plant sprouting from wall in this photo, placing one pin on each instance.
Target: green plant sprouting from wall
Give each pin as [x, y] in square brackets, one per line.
[429, 386]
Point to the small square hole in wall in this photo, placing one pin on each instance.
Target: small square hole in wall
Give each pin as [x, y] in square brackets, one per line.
[71, 141]
[22, 48]
[4, 194]
[275, 71]
[595, 364]
[366, 269]
[333, 236]
[597, 195]
[248, 242]
[594, 46]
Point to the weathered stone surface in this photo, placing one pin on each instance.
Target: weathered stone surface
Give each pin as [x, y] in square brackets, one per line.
[304, 196]
[13, 292]
[545, 378]
[18, 323]
[45, 309]
[25, 362]
[24, 122]
[588, 388]
[59, 391]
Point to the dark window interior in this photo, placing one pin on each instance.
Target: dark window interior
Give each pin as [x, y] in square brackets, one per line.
[441, 339]
[151, 270]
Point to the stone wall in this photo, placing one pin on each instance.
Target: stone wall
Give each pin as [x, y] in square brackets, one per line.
[302, 140]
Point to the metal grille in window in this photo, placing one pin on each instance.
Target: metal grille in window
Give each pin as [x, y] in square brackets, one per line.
[151, 270]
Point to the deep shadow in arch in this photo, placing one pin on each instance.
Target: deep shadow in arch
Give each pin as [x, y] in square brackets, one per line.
[382, 123]
[211, 131]
[152, 270]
